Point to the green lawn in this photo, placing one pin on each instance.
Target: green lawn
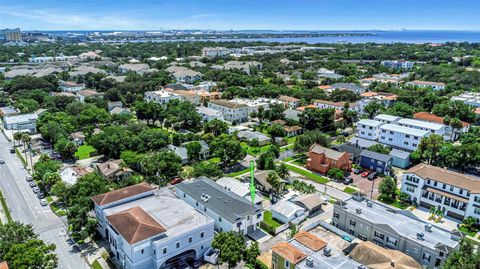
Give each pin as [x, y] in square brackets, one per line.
[241, 172]
[307, 174]
[267, 218]
[395, 203]
[214, 160]
[349, 190]
[466, 231]
[291, 140]
[255, 151]
[83, 152]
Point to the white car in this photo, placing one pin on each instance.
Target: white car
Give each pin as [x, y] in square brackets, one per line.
[43, 202]
[29, 178]
[2, 161]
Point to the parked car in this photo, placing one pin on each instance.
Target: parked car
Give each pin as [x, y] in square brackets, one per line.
[357, 171]
[176, 181]
[40, 195]
[365, 174]
[372, 176]
[29, 178]
[36, 190]
[43, 202]
[2, 161]
[12, 150]
[348, 180]
[32, 184]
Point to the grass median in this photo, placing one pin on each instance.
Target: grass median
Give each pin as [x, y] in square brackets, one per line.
[5, 207]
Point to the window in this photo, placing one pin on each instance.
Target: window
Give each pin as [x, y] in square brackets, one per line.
[154, 252]
[435, 183]
[392, 241]
[336, 215]
[196, 203]
[426, 257]
[410, 189]
[461, 191]
[142, 251]
[379, 235]
[184, 195]
[202, 234]
[383, 137]
[390, 139]
[190, 239]
[177, 244]
[353, 223]
[362, 237]
[444, 186]
[205, 209]
[164, 250]
[239, 224]
[259, 215]
[287, 264]
[220, 219]
[407, 136]
[476, 211]
[451, 188]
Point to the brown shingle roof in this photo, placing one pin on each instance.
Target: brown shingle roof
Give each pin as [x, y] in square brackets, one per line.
[289, 252]
[288, 98]
[446, 176]
[112, 168]
[329, 153]
[293, 128]
[310, 241]
[113, 196]
[135, 224]
[227, 103]
[377, 257]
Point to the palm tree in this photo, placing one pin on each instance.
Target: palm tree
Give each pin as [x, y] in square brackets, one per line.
[282, 171]
[26, 141]
[275, 181]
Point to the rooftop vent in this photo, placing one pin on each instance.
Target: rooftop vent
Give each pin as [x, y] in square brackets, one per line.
[369, 203]
[327, 251]
[358, 210]
[428, 227]
[309, 262]
[361, 266]
[420, 236]
[205, 197]
[392, 263]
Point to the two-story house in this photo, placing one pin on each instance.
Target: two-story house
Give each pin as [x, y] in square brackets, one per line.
[322, 159]
[231, 112]
[377, 162]
[229, 211]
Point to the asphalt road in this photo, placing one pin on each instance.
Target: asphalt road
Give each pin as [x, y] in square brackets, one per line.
[25, 207]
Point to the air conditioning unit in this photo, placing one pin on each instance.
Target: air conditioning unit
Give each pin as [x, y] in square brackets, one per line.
[327, 251]
[358, 210]
[309, 262]
[420, 236]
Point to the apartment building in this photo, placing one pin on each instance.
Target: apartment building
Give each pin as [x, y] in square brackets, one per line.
[11, 35]
[231, 112]
[456, 195]
[450, 133]
[161, 96]
[469, 98]
[21, 122]
[434, 128]
[255, 104]
[340, 106]
[214, 52]
[400, 64]
[369, 129]
[243, 66]
[395, 229]
[424, 84]
[229, 211]
[289, 102]
[149, 228]
[386, 118]
[401, 137]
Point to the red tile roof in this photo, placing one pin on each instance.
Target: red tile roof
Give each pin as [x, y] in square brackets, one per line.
[310, 241]
[135, 224]
[289, 252]
[433, 118]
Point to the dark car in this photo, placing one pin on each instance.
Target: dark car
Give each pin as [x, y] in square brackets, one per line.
[357, 171]
[348, 180]
[12, 150]
[372, 176]
[2, 161]
[40, 195]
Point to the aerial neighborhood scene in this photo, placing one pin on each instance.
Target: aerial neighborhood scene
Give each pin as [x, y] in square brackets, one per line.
[240, 134]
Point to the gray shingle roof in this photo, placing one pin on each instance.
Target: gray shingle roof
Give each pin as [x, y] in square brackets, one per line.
[226, 204]
[375, 155]
[399, 154]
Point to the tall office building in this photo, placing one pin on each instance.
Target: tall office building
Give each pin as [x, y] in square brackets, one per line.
[11, 35]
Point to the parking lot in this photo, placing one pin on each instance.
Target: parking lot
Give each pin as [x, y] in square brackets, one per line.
[365, 185]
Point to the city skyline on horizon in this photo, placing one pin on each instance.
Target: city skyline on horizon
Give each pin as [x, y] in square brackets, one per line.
[268, 15]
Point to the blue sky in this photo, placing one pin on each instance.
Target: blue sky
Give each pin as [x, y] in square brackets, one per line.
[241, 14]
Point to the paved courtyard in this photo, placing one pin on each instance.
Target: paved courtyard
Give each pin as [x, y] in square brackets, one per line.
[366, 185]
